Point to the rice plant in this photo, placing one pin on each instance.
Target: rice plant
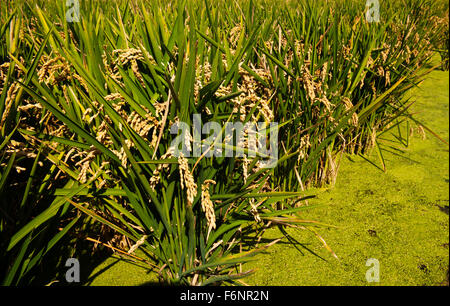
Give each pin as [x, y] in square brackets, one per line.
[86, 109]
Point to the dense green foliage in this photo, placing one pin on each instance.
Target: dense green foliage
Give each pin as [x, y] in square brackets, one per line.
[86, 109]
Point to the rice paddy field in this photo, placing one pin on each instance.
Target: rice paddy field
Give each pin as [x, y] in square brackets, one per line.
[106, 179]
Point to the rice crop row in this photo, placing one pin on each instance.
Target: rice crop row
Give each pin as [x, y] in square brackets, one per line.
[86, 109]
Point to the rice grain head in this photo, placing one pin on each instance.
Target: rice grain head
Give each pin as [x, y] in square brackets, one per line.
[187, 180]
[208, 205]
